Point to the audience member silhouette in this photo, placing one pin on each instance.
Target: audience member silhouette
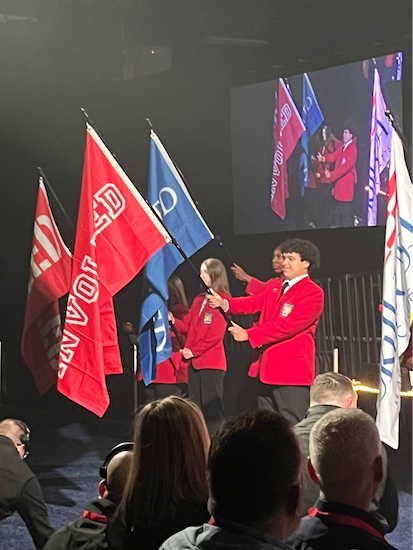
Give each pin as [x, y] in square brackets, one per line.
[254, 477]
[167, 489]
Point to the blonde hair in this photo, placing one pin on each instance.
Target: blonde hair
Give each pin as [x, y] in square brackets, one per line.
[171, 443]
[218, 274]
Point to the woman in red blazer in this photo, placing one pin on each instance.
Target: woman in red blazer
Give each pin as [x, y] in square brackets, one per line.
[204, 349]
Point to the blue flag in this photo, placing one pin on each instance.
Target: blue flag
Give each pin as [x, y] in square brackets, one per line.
[312, 118]
[170, 198]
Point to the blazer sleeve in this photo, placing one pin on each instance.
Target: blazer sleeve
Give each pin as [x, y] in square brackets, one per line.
[307, 307]
[255, 286]
[248, 305]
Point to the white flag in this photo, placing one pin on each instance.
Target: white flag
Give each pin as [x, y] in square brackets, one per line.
[397, 293]
[380, 147]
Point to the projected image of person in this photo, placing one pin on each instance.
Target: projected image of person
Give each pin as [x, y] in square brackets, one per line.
[204, 348]
[329, 146]
[343, 177]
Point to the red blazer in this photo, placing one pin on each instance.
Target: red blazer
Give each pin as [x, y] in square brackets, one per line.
[284, 336]
[206, 331]
[174, 370]
[344, 174]
[255, 286]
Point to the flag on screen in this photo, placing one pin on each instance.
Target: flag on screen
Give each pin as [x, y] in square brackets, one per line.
[288, 128]
[170, 198]
[116, 234]
[49, 280]
[312, 118]
[380, 147]
[397, 312]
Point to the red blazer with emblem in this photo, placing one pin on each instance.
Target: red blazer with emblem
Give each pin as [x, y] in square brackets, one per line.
[284, 335]
[344, 174]
[206, 331]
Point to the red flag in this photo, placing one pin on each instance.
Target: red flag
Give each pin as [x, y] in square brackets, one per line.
[50, 266]
[288, 128]
[116, 235]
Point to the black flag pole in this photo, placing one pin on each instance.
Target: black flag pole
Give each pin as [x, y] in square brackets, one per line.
[68, 219]
[398, 131]
[197, 203]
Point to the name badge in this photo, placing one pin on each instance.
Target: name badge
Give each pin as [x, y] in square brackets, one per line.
[286, 310]
[207, 318]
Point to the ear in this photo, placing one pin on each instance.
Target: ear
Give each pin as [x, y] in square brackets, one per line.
[102, 488]
[311, 472]
[306, 264]
[378, 469]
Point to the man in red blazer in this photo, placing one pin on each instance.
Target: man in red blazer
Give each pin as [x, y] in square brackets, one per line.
[283, 339]
[344, 177]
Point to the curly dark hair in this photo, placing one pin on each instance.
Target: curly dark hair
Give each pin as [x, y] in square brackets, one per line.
[306, 249]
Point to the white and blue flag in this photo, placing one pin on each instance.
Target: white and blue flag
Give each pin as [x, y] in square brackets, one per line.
[312, 118]
[169, 196]
[380, 147]
[397, 312]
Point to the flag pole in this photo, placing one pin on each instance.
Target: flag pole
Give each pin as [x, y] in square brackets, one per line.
[196, 202]
[398, 131]
[42, 175]
[173, 240]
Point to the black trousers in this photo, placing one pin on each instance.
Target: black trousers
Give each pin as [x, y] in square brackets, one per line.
[342, 214]
[290, 401]
[206, 389]
[160, 391]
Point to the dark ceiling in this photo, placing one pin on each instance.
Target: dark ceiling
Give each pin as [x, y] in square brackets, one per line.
[229, 39]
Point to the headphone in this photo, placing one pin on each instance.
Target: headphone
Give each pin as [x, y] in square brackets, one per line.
[127, 446]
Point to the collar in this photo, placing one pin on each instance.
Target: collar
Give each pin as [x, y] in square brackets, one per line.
[347, 515]
[294, 281]
[252, 532]
[347, 144]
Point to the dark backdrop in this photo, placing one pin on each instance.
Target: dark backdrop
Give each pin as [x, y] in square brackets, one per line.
[43, 86]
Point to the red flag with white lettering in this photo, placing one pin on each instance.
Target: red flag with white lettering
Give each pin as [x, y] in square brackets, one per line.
[288, 128]
[50, 268]
[116, 234]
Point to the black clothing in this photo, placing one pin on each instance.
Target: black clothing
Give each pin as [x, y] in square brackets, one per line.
[386, 503]
[20, 491]
[206, 388]
[150, 537]
[290, 401]
[339, 527]
[87, 532]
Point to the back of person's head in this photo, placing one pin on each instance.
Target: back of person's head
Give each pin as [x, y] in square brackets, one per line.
[306, 249]
[171, 443]
[176, 292]
[345, 454]
[218, 274]
[333, 388]
[254, 470]
[117, 473]
[18, 432]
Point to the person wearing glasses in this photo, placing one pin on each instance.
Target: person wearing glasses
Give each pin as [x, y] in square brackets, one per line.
[19, 488]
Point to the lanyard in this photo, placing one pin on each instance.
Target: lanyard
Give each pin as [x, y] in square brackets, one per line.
[343, 519]
[99, 518]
